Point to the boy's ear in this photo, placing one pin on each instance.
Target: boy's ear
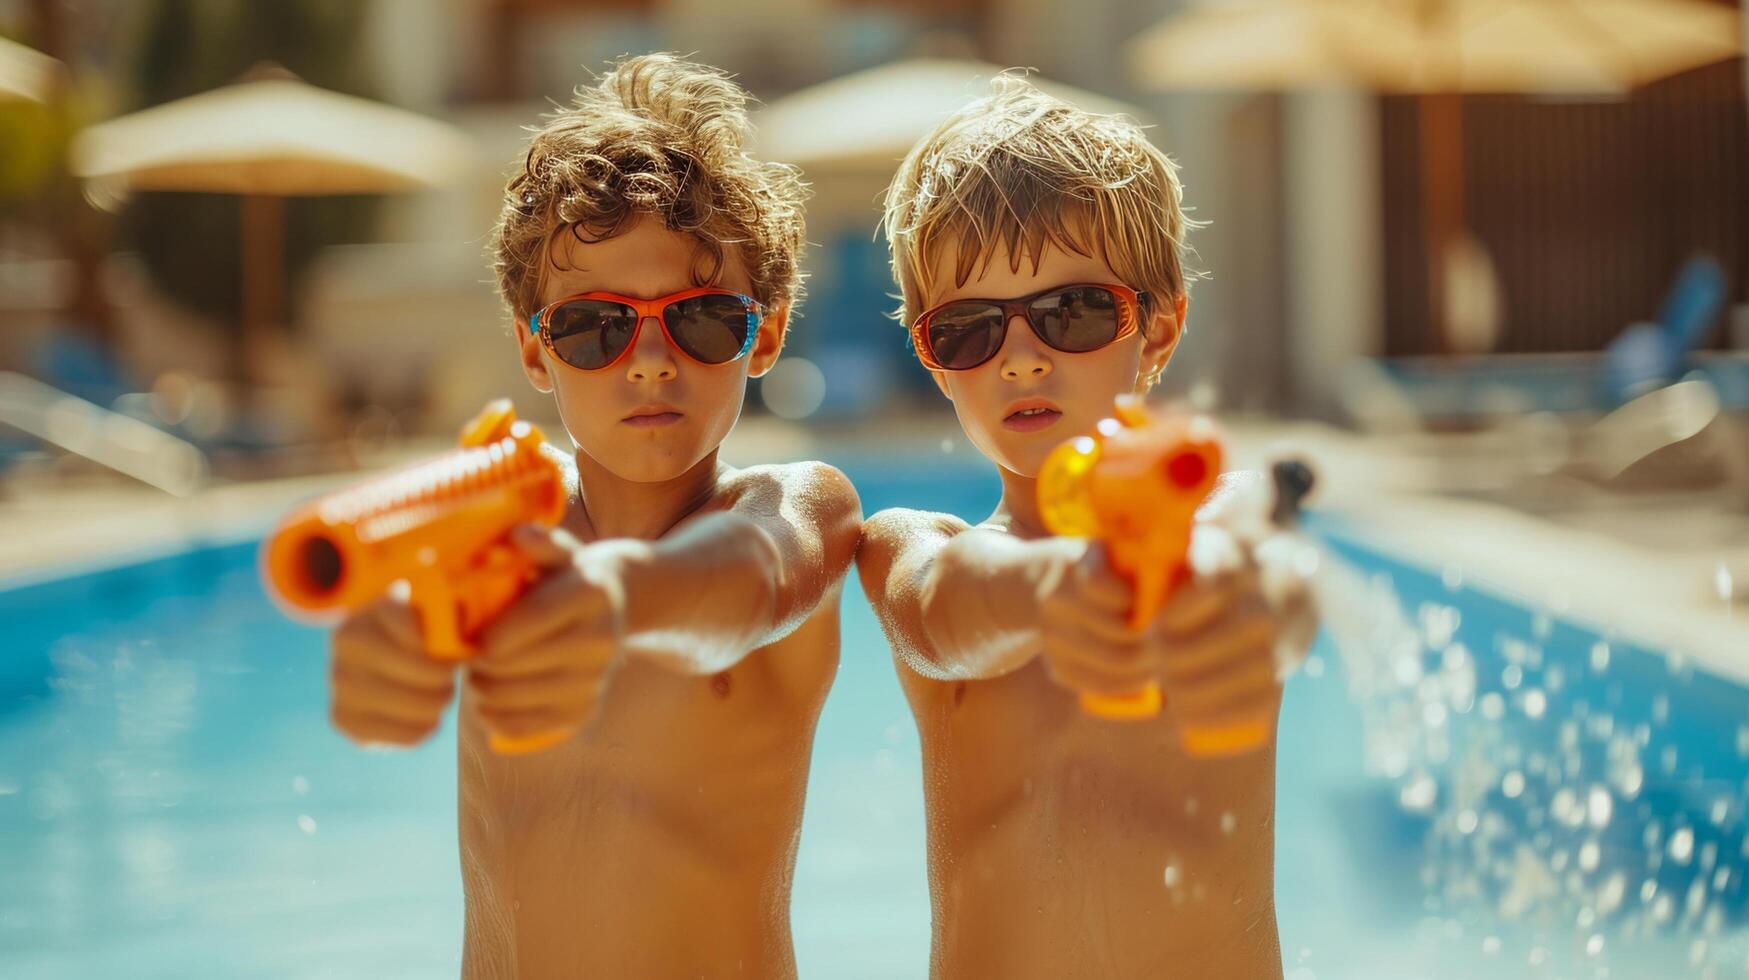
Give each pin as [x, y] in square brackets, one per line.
[1165, 327]
[769, 342]
[534, 362]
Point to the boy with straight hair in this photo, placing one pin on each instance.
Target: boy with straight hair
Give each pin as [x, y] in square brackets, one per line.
[1038, 250]
[686, 631]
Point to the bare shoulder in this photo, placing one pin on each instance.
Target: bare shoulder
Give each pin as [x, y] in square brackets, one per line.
[902, 536]
[812, 487]
[811, 504]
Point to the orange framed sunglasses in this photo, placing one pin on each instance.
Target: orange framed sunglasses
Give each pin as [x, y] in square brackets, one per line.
[965, 333]
[594, 330]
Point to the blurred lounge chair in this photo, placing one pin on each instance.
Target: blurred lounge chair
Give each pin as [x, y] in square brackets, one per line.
[1650, 355]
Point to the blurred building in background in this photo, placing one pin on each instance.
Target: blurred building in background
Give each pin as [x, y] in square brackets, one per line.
[1578, 210]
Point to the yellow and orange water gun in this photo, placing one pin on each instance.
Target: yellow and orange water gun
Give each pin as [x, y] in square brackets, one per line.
[1135, 485]
[442, 526]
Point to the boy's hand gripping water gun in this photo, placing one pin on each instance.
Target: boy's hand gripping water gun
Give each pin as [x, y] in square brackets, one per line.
[1135, 486]
[442, 526]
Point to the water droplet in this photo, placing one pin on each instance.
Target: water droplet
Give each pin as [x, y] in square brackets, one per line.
[307, 824]
[1190, 806]
[1452, 577]
[1594, 945]
[1493, 706]
[1629, 778]
[1229, 823]
[1512, 676]
[1433, 713]
[1491, 945]
[947, 447]
[1419, 794]
[1438, 624]
[1662, 908]
[1466, 822]
[1648, 890]
[1661, 709]
[1566, 809]
[1538, 956]
[1682, 845]
[1743, 741]
[1589, 853]
[1721, 879]
[1173, 874]
[1535, 703]
[1600, 656]
[1610, 895]
[1587, 917]
[1313, 667]
[1709, 855]
[1541, 626]
[300, 785]
[1696, 899]
[1667, 759]
[1697, 952]
[1512, 784]
[1599, 807]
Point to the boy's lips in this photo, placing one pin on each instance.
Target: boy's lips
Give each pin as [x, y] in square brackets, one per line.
[649, 416]
[1031, 415]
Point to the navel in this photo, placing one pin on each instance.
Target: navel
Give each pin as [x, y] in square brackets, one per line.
[959, 693]
[720, 685]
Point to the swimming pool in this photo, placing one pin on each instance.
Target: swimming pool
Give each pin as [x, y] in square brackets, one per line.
[1495, 802]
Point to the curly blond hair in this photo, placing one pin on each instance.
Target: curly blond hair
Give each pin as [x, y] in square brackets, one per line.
[1025, 170]
[661, 137]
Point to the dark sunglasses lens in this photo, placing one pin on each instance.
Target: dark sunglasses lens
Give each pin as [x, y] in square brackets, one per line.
[712, 328]
[965, 335]
[1077, 319]
[590, 333]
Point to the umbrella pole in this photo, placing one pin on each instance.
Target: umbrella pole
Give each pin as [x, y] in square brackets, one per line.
[1442, 199]
[263, 245]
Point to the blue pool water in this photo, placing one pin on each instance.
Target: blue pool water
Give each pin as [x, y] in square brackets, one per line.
[1467, 787]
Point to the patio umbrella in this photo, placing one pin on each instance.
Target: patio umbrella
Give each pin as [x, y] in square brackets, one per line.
[26, 74]
[869, 119]
[268, 137]
[1436, 46]
[1437, 49]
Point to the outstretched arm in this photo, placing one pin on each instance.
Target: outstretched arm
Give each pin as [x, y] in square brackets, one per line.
[734, 580]
[958, 602]
[720, 584]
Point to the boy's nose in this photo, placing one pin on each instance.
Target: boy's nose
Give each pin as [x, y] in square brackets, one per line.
[651, 358]
[1023, 356]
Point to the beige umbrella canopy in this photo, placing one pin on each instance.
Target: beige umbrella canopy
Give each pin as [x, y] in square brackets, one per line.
[1438, 49]
[268, 137]
[1436, 46]
[274, 135]
[26, 74]
[869, 119]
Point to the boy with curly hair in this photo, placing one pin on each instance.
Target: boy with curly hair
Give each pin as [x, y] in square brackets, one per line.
[686, 632]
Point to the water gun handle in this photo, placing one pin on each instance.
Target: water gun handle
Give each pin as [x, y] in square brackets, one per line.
[1135, 485]
[453, 609]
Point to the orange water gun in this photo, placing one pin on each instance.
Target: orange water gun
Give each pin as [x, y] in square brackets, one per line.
[1135, 485]
[442, 526]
